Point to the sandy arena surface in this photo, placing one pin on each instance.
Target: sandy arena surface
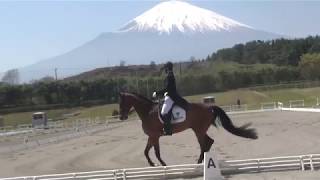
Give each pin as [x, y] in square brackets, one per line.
[280, 134]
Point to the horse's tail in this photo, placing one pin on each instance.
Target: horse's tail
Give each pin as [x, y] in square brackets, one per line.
[227, 124]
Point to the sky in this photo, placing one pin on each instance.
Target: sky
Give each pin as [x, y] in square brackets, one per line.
[31, 31]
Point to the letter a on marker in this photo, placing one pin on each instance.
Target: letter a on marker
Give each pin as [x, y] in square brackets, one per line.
[211, 163]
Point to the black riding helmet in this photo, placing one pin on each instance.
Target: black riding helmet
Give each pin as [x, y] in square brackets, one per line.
[168, 66]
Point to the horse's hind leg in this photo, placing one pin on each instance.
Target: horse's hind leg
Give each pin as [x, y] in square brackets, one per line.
[157, 152]
[202, 143]
[205, 144]
[147, 149]
[208, 143]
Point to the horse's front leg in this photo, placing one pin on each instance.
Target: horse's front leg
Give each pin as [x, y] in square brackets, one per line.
[157, 151]
[147, 149]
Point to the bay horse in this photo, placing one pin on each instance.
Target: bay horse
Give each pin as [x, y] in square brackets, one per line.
[199, 117]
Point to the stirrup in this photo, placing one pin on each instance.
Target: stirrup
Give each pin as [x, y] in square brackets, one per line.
[164, 133]
[167, 132]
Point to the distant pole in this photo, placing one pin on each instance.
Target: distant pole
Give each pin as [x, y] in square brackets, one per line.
[180, 68]
[56, 73]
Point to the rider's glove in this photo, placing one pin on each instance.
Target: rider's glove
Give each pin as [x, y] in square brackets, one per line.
[154, 95]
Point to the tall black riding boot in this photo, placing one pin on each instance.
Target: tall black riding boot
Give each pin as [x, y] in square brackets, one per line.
[167, 125]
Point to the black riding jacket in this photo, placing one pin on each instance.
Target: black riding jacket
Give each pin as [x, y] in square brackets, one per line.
[170, 88]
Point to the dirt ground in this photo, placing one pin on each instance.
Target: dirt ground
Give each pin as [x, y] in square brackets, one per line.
[280, 134]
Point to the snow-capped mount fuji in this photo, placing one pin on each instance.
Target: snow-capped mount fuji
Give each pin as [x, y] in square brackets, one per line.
[172, 30]
[180, 16]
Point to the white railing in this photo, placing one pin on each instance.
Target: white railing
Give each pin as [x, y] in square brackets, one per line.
[32, 137]
[286, 163]
[235, 107]
[226, 108]
[296, 103]
[301, 162]
[53, 125]
[268, 105]
[242, 107]
[160, 172]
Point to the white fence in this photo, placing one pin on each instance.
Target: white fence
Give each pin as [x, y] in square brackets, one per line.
[269, 105]
[55, 125]
[292, 105]
[302, 109]
[161, 172]
[296, 103]
[232, 108]
[301, 162]
[58, 131]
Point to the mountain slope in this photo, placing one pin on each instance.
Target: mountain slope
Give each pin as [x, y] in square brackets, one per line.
[172, 30]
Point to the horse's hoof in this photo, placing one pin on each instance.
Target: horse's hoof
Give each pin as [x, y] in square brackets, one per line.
[199, 161]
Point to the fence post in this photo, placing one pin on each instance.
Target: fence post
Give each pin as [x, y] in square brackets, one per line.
[124, 174]
[301, 163]
[165, 172]
[311, 163]
[114, 174]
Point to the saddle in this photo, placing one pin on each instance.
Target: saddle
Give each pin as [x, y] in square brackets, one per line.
[178, 114]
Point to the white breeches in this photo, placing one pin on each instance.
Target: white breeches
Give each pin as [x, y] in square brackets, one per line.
[167, 105]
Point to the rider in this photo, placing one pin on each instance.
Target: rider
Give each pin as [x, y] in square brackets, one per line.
[171, 97]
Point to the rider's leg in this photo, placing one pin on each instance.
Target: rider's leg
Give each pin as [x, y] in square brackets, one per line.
[166, 115]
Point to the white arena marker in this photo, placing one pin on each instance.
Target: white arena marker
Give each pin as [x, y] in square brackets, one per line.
[211, 167]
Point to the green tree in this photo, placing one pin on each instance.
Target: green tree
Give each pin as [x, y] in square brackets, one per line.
[310, 66]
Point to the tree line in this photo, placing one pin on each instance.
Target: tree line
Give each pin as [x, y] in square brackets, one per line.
[278, 51]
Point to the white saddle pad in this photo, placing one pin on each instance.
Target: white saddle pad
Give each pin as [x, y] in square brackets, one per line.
[179, 115]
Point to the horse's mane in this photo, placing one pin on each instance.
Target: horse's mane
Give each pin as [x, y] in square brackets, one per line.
[144, 98]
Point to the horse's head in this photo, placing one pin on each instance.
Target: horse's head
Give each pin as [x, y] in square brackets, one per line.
[124, 106]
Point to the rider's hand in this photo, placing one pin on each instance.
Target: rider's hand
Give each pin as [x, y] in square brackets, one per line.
[154, 95]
